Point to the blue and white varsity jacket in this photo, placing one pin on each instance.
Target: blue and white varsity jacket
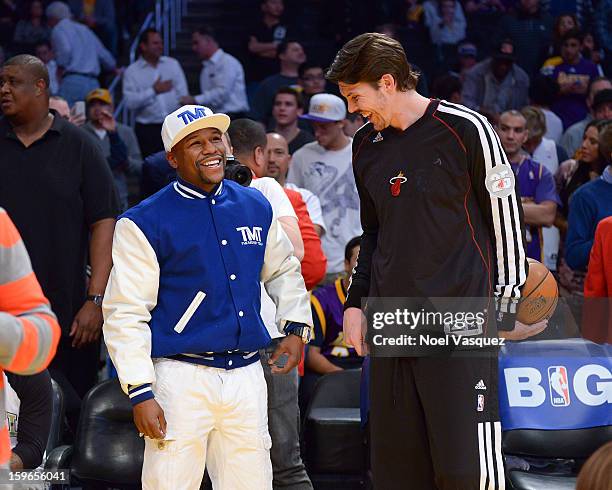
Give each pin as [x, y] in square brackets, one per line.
[185, 282]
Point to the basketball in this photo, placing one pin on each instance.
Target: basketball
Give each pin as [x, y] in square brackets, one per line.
[540, 295]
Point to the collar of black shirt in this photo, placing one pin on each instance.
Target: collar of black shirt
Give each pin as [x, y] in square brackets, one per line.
[57, 126]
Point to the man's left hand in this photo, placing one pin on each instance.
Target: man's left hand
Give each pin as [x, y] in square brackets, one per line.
[187, 99]
[87, 325]
[291, 345]
[523, 331]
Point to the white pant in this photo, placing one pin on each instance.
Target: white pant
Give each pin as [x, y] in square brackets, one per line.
[216, 418]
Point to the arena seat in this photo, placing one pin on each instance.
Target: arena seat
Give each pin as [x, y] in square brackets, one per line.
[107, 449]
[574, 445]
[335, 451]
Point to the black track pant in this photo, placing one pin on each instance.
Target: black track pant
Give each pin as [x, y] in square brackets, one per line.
[434, 424]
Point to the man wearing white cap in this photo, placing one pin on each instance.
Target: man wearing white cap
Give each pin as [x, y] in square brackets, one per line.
[182, 322]
[324, 167]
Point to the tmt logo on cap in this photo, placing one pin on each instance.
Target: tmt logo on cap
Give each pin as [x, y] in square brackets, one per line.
[188, 116]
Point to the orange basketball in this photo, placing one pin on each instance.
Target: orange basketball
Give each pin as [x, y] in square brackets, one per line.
[540, 295]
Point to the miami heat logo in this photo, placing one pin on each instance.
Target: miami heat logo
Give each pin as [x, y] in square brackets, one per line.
[396, 183]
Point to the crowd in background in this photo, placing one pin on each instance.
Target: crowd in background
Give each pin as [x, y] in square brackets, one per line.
[540, 71]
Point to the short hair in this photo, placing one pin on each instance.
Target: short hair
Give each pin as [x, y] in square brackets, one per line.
[352, 243]
[207, 31]
[58, 10]
[605, 141]
[513, 113]
[369, 56]
[536, 121]
[445, 86]
[291, 91]
[144, 37]
[32, 64]
[543, 90]
[593, 81]
[246, 135]
[572, 34]
[308, 66]
[282, 47]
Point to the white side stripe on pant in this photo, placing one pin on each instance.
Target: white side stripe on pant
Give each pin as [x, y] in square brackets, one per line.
[486, 443]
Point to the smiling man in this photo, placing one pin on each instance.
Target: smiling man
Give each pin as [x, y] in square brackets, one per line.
[433, 226]
[182, 315]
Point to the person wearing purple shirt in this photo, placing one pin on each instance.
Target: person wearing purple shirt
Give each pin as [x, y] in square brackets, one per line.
[573, 76]
[327, 352]
[536, 184]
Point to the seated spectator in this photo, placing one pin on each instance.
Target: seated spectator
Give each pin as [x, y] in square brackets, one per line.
[572, 138]
[573, 76]
[563, 24]
[32, 31]
[537, 186]
[592, 51]
[222, 86]
[99, 16]
[466, 54]
[44, 52]
[447, 87]
[117, 141]
[59, 104]
[590, 204]
[446, 24]
[542, 149]
[549, 154]
[572, 175]
[496, 84]
[291, 55]
[152, 88]
[327, 352]
[79, 54]
[264, 39]
[483, 17]
[354, 121]
[29, 409]
[597, 319]
[278, 166]
[530, 28]
[445, 21]
[288, 106]
[542, 93]
[312, 80]
[324, 167]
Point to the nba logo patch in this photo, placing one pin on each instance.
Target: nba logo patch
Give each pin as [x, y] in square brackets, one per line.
[559, 388]
[480, 403]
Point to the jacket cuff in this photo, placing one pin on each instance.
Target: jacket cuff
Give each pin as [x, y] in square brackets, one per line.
[140, 393]
[354, 296]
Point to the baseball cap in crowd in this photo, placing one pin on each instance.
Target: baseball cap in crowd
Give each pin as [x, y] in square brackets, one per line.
[100, 94]
[602, 97]
[325, 108]
[467, 50]
[505, 51]
[188, 119]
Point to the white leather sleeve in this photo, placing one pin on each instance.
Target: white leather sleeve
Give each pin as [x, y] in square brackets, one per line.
[281, 275]
[131, 294]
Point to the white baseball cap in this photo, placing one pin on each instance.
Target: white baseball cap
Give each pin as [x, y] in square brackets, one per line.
[188, 119]
[325, 108]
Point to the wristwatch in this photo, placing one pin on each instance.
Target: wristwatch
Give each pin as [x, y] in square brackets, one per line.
[96, 299]
[300, 329]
